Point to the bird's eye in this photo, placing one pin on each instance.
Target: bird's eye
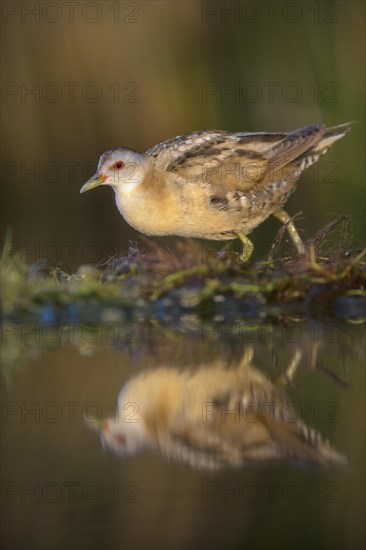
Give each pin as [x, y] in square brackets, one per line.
[118, 165]
[120, 440]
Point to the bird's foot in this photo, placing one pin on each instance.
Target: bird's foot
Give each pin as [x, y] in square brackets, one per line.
[314, 265]
[248, 247]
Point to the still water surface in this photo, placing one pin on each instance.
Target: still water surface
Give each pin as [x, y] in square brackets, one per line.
[213, 435]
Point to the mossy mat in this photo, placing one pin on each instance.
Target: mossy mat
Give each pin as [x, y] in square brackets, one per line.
[164, 285]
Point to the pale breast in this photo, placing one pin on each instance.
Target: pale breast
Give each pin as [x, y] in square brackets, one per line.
[173, 206]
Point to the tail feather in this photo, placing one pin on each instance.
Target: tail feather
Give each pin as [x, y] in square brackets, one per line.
[319, 448]
[340, 129]
[330, 135]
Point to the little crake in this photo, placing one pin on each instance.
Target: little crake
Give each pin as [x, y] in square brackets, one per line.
[212, 416]
[212, 184]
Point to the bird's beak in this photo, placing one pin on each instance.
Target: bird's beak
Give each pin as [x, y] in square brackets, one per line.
[97, 425]
[94, 181]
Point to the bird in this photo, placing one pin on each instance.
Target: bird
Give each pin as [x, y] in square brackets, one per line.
[213, 184]
[211, 417]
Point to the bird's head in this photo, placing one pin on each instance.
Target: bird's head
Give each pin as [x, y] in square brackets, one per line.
[122, 169]
[122, 438]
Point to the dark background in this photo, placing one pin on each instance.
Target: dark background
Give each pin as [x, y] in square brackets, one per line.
[136, 73]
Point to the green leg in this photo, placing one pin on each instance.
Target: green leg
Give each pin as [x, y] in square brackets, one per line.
[288, 376]
[295, 237]
[248, 247]
[247, 357]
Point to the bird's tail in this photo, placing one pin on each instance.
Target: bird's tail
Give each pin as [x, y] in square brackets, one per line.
[330, 135]
[327, 137]
[319, 449]
[304, 444]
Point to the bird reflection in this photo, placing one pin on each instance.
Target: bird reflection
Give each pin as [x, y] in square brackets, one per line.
[213, 416]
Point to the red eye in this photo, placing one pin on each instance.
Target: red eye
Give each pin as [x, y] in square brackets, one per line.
[121, 440]
[118, 165]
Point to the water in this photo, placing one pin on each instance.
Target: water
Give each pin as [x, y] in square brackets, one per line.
[67, 484]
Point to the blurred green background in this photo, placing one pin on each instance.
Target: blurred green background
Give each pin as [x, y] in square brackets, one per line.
[136, 73]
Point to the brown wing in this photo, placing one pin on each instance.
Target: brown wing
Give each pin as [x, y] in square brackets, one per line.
[293, 146]
[251, 424]
[180, 145]
[241, 161]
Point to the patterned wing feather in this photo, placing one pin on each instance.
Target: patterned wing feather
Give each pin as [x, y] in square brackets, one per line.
[230, 162]
[180, 145]
[238, 161]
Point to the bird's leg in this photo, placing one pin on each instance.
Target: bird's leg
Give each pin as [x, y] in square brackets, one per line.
[290, 372]
[248, 247]
[314, 355]
[296, 239]
[293, 366]
[247, 357]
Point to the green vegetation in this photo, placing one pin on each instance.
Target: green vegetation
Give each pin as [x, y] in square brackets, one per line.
[160, 283]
